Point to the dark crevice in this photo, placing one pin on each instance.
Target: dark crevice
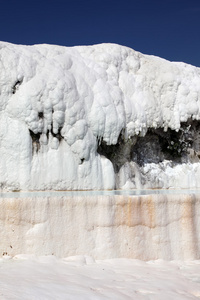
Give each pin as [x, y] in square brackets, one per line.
[35, 141]
[58, 134]
[36, 138]
[16, 85]
[47, 134]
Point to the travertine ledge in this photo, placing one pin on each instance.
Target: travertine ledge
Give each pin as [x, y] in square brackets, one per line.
[99, 117]
[142, 227]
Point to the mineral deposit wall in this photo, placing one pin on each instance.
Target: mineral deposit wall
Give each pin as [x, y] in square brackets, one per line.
[142, 227]
[96, 117]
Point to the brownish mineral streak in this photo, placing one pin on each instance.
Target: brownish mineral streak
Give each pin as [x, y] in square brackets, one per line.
[142, 227]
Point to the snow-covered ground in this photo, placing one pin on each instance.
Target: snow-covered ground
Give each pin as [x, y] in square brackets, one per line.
[45, 278]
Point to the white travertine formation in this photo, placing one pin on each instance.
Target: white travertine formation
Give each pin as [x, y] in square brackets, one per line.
[143, 227]
[57, 104]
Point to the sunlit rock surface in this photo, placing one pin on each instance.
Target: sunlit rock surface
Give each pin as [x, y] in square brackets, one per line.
[96, 117]
[144, 227]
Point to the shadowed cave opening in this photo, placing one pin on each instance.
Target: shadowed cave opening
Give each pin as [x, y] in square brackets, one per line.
[156, 146]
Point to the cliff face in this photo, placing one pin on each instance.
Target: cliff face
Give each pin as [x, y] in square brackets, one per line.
[142, 227]
[96, 117]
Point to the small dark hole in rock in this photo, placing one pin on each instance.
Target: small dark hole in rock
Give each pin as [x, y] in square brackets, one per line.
[40, 115]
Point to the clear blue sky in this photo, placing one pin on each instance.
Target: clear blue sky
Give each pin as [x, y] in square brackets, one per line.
[166, 28]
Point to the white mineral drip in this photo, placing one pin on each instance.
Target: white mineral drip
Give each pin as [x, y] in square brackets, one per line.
[57, 104]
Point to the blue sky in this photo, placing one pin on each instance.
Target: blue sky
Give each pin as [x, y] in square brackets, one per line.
[166, 28]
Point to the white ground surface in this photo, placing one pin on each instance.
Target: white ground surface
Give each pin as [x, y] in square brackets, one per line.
[80, 277]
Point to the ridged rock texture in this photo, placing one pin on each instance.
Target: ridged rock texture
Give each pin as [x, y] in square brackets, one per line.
[96, 117]
[146, 227]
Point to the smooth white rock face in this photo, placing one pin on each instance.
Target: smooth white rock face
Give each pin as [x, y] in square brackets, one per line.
[57, 104]
[145, 227]
[81, 277]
